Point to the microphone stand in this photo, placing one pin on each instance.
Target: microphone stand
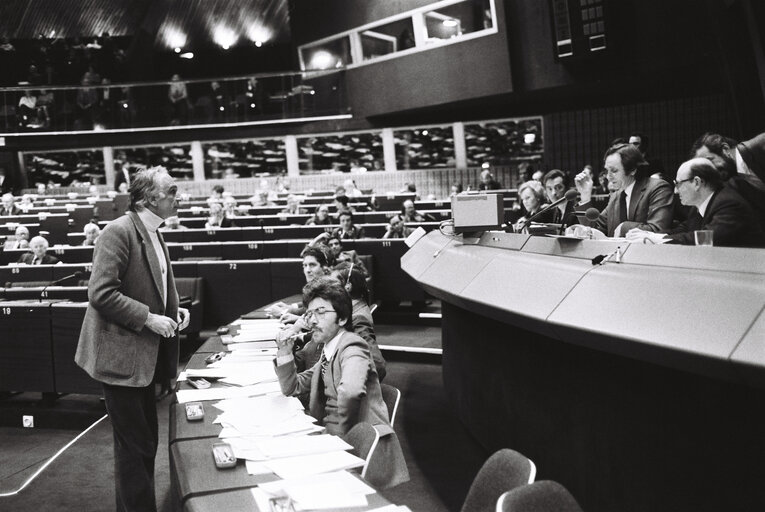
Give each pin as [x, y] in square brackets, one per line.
[58, 281]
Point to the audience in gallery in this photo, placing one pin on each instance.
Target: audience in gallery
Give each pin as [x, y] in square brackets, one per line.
[348, 230]
[717, 208]
[396, 228]
[20, 239]
[455, 189]
[320, 217]
[350, 188]
[229, 207]
[216, 194]
[261, 199]
[641, 202]
[91, 232]
[9, 206]
[341, 204]
[38, 248]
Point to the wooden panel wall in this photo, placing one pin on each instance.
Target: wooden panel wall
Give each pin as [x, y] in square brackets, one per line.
[579, 137]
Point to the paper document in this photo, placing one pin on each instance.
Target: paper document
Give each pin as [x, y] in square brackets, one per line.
[330, 491]
[296, 467]
[193, 395]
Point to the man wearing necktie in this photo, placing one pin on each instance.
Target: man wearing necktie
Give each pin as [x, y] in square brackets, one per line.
[639, 201]
[129, 337]
[38, 247]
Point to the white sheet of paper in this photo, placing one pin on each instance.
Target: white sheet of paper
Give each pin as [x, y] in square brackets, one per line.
[296, 467]
[279, 447]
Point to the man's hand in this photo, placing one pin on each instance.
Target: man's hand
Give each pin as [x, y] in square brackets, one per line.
[640, 236]
[276, 310]
[161, 325]
[285, 340]
[583, 183]
[184, 317]
[288, 318]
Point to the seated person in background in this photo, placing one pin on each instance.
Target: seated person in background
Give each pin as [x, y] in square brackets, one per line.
[21, 241]
[639, 201]
[456, 189]
[91, 233]
[343, 386]
[321, 217]
[229, 207]
[9, 206]
[410, 214]
[341, 205]
[217, 217]
[293, 206]
[314, 265]
[26, 203]
[217, 194]
[409, 188]
[397, 228]
[348, 230]
[38, 247]
[352, 257]
[355, 283]
[350, 189]
[173, 223]
[330, 246]
[742, 166]
[340, 191]
[532, 197]
[555, 183]
[261, 199]
[717, 207]
[487, 181]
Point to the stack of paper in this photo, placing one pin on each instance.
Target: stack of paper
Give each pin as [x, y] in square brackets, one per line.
[254, 331]
[222, 393]
[328, 491]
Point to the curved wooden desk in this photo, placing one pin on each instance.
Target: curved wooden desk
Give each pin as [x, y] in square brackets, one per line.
[638, 385]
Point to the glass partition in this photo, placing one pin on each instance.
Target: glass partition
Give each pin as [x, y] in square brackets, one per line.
[178, 102]
[244, 158]
[176, 158]
[386, 39]
[422, 148]
[353, 152]
[458, 19]
[500, 142]
[70, 168]
[331, 54]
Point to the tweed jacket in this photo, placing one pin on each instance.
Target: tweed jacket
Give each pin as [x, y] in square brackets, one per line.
[125, 285]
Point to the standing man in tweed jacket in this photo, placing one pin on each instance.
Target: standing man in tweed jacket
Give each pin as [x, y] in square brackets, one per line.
[129, 336]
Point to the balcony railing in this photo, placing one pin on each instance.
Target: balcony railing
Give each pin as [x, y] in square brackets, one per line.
[260, 98]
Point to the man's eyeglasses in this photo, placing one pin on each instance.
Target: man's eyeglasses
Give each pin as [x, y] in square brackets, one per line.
[317, 313]
[678, 182]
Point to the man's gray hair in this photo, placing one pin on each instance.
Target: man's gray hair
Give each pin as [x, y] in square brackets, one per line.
[145, 185]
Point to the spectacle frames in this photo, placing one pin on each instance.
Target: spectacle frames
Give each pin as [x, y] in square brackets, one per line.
[678, 182]
[317, 313]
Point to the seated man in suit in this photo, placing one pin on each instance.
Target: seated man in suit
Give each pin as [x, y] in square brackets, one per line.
[396, 228]
[38, 247]
[639, 201]
[555, 183]
[348, 230]
[343, 385]
[21, 241]
[717, 208]
[9, 207]
[321, 217]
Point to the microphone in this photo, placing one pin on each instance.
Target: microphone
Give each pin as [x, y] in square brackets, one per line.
[592, 214]
[570, 195]
[602, 258]
[79, 273]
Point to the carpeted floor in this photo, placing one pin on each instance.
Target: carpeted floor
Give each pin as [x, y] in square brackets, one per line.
[442, 457]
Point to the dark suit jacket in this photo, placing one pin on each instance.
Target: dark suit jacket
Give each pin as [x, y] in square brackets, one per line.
[650, 209]
[125, 285]
[14, 210]
[730, 218]
[47, 259]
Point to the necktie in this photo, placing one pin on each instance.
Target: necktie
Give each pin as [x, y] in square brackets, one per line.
[622, 207]
[556, 216]
[35, 261]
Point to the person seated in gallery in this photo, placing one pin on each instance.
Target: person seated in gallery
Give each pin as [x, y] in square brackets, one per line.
[20, 240]
[396, 228]
[314, 265]
[639, 201]
[217, 218]
[38, 248]
[173, 223]
[348, 230]
[293, 206]
[532, 196]
[717, 208]
[351, 190]
[410, 213]
[229, 207]
[321, 217]
[352, 257]
[341, 205]
[217, 194]
[91, 232]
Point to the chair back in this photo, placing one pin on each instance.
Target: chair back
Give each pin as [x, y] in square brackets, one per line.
[539, 496]
[364, 438]
[503, 471]
[391, 397]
